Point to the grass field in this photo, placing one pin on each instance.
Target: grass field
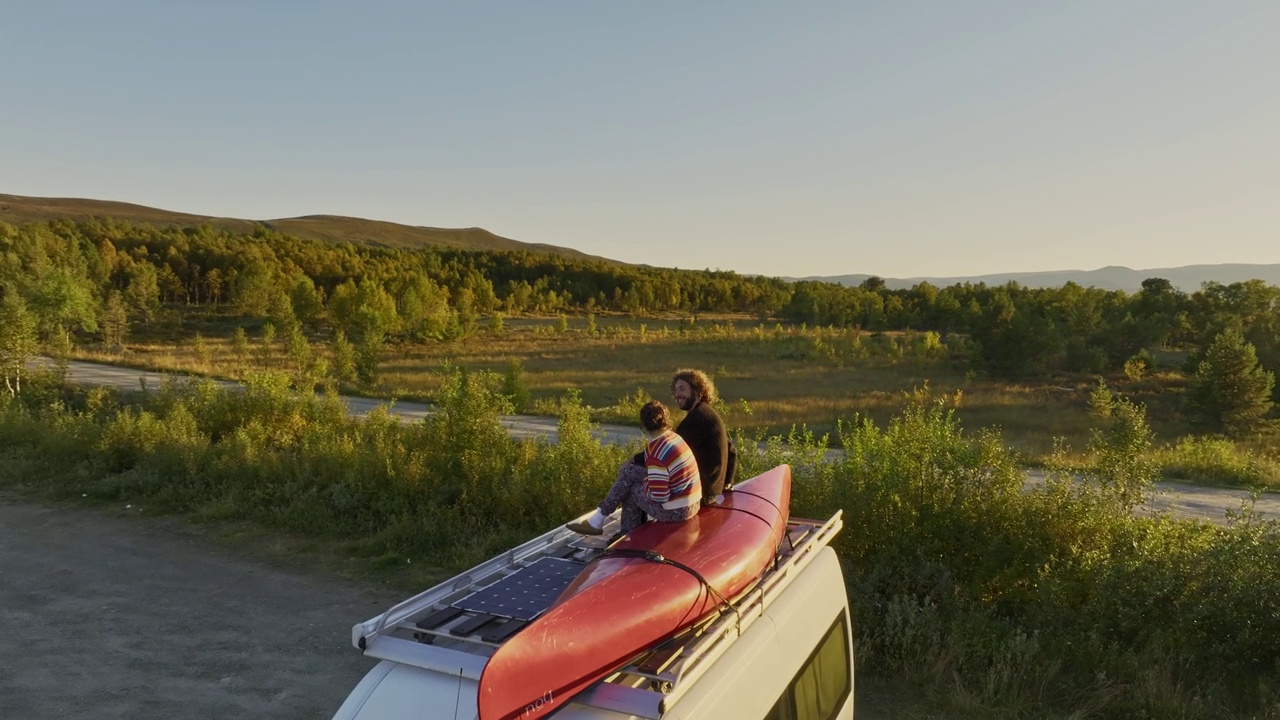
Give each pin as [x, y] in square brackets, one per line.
[770, 377]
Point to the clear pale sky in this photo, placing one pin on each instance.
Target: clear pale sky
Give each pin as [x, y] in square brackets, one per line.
[815, 138]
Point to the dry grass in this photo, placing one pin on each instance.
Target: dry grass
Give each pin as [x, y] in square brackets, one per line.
[770, 378]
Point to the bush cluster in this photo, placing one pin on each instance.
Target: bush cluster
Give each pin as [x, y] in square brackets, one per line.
[452, 489]
[1045, 600]
[1039, 601]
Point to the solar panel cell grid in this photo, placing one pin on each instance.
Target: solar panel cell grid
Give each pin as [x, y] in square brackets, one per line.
[526, 593]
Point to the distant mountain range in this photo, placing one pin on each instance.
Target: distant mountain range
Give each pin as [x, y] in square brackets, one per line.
[17, 209]
[1187, 278]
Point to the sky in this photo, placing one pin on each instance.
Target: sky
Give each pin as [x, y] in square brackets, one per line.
[901, 139]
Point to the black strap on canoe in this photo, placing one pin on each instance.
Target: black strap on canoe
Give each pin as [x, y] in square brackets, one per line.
[657, 557]
[781, 516]
[743, 510]
[759, 497]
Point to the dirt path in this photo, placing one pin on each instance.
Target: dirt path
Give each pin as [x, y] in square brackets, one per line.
[134, 618]
[1197, 501]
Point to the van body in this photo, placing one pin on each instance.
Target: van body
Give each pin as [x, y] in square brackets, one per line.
[784, 652]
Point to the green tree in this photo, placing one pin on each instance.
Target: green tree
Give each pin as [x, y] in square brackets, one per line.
[115, 322]
[514, 387]
[203, 353]
[424, 308]
[363, 309]
[367, 353]
[62, 298]
[282, 315]
[240, 346]
[519, 296]
[465, 309]
[1230, 392]
[214, 282]
[1013, 341]
[18, 340]
[300, 354]
[344, 358]
[60, 347]
[254, 289]
[483, 299]
[1101, 400]
[1157, 306]
[305, 300]
[142, 294]
[267, 347]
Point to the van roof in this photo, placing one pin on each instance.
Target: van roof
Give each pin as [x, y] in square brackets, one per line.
[454, 627]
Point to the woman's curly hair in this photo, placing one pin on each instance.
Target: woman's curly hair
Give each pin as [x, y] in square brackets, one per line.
[703, 388]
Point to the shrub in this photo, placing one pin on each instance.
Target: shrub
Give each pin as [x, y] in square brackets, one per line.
[626, 411]
[1218, 460]
[1033, 602]
[1118, 448]
[1135, 368]
[514, 388]
[929, 346]
[998, 596]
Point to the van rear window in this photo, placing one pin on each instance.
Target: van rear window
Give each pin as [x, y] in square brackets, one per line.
[823, 685]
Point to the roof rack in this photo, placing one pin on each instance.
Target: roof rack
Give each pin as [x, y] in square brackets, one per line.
[455, 626]
[658, 678]
[435, 627]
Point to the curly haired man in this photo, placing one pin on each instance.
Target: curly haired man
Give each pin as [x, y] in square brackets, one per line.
[704, 430]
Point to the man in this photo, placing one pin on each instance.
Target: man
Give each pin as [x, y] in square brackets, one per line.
[703, 429]
[665, 487]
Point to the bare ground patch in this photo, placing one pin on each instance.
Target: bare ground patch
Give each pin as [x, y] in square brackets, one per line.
[111, 617]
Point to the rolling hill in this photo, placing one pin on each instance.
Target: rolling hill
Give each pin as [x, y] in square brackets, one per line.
[18, 209]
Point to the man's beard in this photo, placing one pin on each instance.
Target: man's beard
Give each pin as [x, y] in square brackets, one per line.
[686, 404]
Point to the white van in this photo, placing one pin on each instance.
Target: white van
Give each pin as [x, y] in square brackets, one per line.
[785, 654]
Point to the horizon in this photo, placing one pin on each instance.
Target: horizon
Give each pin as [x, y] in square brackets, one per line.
[794, 142]
[790, 278]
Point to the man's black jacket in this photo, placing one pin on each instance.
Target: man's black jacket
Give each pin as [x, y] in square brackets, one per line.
[703, 429]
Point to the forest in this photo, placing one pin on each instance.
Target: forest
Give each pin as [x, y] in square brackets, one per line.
[97, 282]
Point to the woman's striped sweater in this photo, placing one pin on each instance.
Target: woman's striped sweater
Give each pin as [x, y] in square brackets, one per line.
[671, 470]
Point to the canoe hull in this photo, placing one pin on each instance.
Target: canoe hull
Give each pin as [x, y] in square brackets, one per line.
[621, 605]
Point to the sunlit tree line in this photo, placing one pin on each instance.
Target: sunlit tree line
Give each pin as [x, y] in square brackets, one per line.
[97, 279]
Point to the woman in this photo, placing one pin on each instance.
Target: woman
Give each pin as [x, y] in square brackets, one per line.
[666, 487]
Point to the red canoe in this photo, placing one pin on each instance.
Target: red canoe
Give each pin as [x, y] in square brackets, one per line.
[620, 605]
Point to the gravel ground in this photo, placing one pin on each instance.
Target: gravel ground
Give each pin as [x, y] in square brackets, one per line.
[112, 617]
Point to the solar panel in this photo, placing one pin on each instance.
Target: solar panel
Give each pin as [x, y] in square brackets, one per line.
[525, 593]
